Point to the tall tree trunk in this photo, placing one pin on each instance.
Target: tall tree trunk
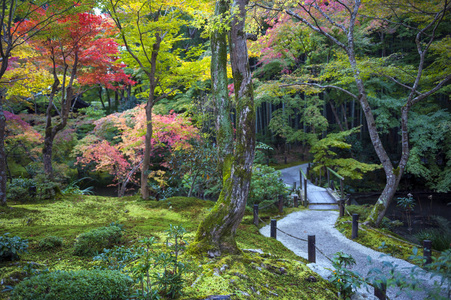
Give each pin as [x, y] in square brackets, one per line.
[101, 98]
[216, 234]
[49, 129]
[337, 119]
[107, 92]
[345, 118]
[2, 153]
[116, 101]
[66, 100]
[145, 193]
[219, 89]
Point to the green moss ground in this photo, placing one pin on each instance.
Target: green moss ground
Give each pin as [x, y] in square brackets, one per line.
[277, 274]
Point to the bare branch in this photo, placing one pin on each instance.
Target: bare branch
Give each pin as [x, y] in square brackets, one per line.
[167, 93]
[345, 6]
[430, 92]
[143, 46]
[116, 20]
[401, 84]
[328, 18]
[317, 29]
[266, 7]
[322, 87]
[422, 52]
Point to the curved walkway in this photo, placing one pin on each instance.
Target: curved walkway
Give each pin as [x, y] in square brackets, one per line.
[329, 240]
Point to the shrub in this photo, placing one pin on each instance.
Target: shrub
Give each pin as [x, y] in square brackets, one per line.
[21, 189]
[266, 185]
[440, 241]
[12, 247]
[50, 242]
[440, 237]
[362, 210]
[94, 241]
[76, 285]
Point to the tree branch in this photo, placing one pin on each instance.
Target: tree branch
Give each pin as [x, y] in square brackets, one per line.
[328, 18]
[401, 84]
[430, 92]
[316, 28]
[322, 87]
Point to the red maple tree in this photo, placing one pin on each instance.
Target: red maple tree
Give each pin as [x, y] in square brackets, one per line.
[80, 51]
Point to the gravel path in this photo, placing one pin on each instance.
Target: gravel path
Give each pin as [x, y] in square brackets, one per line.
[329, 240]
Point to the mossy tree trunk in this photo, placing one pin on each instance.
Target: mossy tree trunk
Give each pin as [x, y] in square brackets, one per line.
[219, 87]
[216, 234]
[2, 153]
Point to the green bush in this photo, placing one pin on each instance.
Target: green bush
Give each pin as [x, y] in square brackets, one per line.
[362, 210]
[439, 240]
[50, 242]
[19, 189]
[94, 241]
[440, 236]
[76, 285]
[266, 185]
[12, 247]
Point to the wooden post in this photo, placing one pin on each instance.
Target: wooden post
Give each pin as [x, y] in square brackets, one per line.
[427, 251]
[294, 185]
[341, 189]
[320, 176]
[311, 249]
[328, 178]
[267, 161]
[305, 192]
[300, 178]
[285, 160]
[355, 226]
[274, 228]
[341, 204]
[381, 292]
[256, 214]
[308, 170]
[280, 203]
[295, 201]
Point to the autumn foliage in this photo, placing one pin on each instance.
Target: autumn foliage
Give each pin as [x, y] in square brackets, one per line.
[83, 40]
[116, 145]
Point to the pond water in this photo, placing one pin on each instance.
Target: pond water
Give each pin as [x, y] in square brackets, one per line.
[427, 205]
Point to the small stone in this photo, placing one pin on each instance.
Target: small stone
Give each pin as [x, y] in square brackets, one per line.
[213, 254]
[283, 271]
[218, 297]
[259, 251]
[273, 294]
[244, 293]
[223, 268]
[241, 275]
[311, 279]
[258, 268]
[126, 211]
